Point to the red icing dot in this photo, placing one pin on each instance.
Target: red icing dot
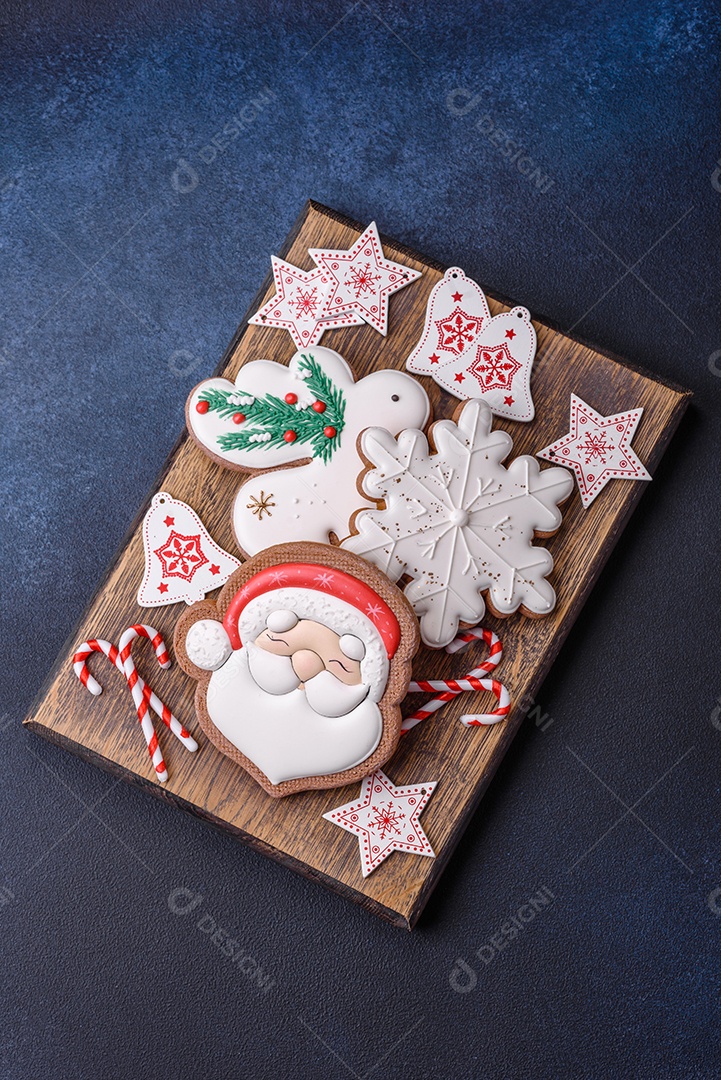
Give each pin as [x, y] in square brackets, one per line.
[319, 406]
[202, 407]
[291, 398]
[238, 418]
[329, 432]
[290, 436]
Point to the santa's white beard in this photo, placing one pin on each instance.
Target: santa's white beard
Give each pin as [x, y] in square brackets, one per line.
[282, 733]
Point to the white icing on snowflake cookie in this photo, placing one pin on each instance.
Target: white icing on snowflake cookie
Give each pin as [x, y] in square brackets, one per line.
[458, 522]
[308, 415]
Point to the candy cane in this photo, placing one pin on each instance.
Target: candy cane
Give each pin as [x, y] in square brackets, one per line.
[80, 662]
[113, 654]
[452, 687]
[143, 695]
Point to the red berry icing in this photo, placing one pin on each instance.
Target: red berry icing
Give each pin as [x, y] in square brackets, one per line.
[290, 436]
[291, 398]
[329, 432]
[238, 418]
[202, 407]
[319, 406]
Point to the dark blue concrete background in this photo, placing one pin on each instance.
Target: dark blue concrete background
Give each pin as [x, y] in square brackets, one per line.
[123, 279]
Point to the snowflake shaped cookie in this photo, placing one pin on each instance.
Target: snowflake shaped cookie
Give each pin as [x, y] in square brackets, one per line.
[458, 522]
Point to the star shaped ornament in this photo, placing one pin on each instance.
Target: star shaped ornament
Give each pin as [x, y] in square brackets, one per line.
[300, 296]
[597, 448]
[385, 819]
[362, 279]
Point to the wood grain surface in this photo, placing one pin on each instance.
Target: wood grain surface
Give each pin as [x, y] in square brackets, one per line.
[292, 830]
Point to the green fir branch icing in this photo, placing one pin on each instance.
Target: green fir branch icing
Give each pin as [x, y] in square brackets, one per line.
[269, 419]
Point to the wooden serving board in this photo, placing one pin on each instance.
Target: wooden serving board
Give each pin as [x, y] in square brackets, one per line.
[292, 830]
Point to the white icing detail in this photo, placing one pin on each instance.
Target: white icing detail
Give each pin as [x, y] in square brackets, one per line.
[479, 528]
[281, 733]
[240, 399]
[327, 609]
[352, 647]
[280, 620]
[329, 697]
[207, 644]
[329, 491]
[271, 672]
[459, 517]
[261, 437]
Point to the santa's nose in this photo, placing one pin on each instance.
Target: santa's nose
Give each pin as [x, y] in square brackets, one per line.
[306, 664]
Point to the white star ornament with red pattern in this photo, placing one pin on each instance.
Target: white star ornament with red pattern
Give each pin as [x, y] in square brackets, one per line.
[597, 448]
[456, 312]
[362, 279]
[385, 819]
[297, 304]
[496, 367]
[182, 561]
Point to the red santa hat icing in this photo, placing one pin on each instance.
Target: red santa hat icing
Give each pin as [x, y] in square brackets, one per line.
[279, 596]
[368, 628]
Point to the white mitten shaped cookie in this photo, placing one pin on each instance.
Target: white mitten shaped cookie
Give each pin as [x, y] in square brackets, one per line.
[308, 415]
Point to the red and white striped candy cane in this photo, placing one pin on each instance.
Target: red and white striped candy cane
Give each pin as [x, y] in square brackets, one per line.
[114, 655]
[143, 696]
[472, 681]
[80, 662]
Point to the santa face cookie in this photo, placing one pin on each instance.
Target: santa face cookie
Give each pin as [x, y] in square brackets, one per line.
[307, 415]
[301, 667]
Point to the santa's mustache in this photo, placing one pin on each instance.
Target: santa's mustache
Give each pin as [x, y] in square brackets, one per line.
[326, 694]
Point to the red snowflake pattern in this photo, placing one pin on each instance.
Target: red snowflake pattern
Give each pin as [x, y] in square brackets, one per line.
[457, 331]
[306, 303]
[386, 820]
[494, 367]
[595, 446]
[181, 556]
[362, 280]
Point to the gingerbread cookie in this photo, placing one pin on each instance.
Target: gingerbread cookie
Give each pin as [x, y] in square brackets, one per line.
[301, 666]
[307, 415]
[458, 522]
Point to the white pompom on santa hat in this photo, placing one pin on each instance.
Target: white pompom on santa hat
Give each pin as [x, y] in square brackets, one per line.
[289, 592]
